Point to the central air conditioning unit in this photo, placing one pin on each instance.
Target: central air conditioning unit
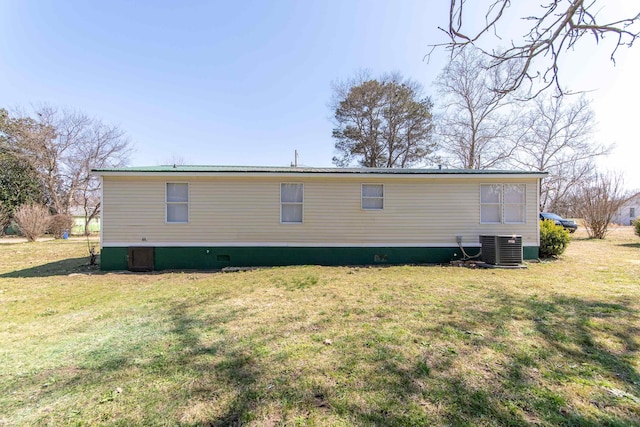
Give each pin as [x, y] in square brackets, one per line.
[501, 250]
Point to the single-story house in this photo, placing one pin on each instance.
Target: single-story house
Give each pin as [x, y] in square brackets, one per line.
[210, 217]
[79, 215]
[628, 212]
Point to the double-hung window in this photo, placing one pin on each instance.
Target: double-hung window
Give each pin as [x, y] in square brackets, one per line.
[502, 203]
[372, 196]
[514, 203]
[291, 203]
[177, 202]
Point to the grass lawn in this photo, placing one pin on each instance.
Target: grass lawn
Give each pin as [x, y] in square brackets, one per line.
[555, 344]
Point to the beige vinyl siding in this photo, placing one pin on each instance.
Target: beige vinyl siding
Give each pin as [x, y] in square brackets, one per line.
[236, 210]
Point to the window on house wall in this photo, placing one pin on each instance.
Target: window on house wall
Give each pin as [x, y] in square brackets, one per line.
[502, 203]
[632, 213]
[177, 201]
[490, 204]
[291, 202]
[372, 196]
[514, 203]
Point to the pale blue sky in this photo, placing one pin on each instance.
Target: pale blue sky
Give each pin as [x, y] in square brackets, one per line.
[242, 83]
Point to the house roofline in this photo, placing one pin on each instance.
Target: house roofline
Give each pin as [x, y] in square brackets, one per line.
[218, 171]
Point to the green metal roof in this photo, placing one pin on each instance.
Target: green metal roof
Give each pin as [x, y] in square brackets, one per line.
[164, 169]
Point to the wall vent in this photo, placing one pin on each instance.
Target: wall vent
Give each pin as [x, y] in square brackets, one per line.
[501, 250]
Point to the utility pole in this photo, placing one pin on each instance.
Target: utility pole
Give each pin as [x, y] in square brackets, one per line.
[295, 159]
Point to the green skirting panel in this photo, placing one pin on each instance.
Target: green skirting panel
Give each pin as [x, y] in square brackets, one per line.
[530, 252]
[114, 258]
[214, 258]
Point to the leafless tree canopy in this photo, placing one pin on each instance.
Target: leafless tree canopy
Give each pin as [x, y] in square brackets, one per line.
[64, 145]
[597, 201]
[557, 137]
[384, 122]
[552, 30]
[483, 128]
[476, 130]
[175, 159]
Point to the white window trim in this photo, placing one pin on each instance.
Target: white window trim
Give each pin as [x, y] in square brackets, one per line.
[502, 204]
[167, 203]
[292, 203]
[362, 197]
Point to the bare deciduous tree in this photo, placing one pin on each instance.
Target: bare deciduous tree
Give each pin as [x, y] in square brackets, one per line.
[552, 29]
[64, 145]
[175, 159]
[597, 200]
[557, 138]
[384, 122]
[88, 199]
[476, 128]
[33, 220]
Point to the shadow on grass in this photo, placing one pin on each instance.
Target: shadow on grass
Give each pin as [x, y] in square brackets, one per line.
[630, 245]
[569, 326]
[143, 367]
[511, 392]
[219, 363]
[57, 268]
[573, 353]
[373, 381]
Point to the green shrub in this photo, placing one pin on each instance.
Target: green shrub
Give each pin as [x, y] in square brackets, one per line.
[636, 226]
[553, 239]
[5, 218]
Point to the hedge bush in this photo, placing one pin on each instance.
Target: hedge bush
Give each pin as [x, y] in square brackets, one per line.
[636, 226]
[59, 224]
[553, 239]
[33, 220]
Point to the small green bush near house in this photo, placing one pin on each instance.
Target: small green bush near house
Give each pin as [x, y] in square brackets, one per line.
[636, 226]
[553, 239]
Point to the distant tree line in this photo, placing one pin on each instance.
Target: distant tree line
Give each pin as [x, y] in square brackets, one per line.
[46, 159]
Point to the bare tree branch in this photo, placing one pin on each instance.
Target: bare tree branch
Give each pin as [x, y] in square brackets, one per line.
[554, 31]
[476, 130]
[597, 200]
[64, 145]
[557, 138]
